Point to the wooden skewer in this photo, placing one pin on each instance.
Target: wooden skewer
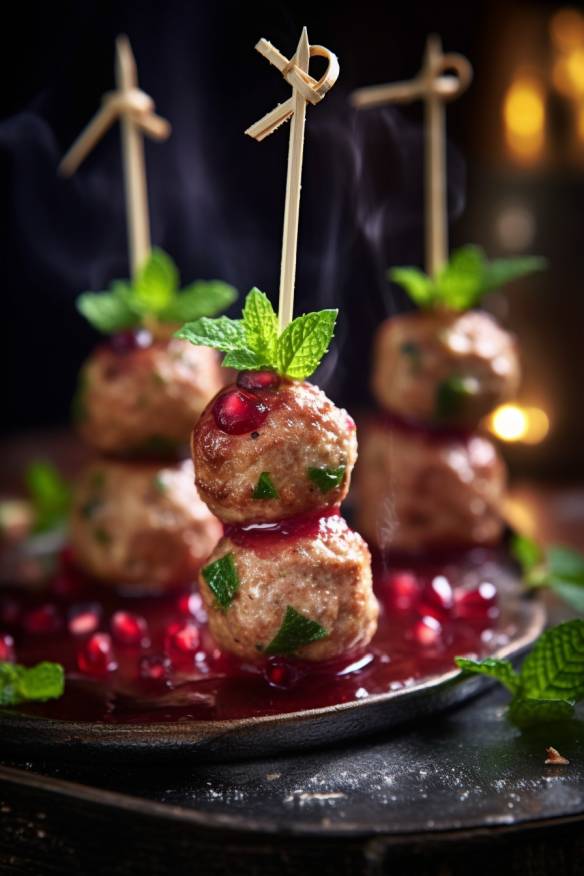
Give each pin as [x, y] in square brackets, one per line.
[435, 87]
[305, 88]
[135, 109]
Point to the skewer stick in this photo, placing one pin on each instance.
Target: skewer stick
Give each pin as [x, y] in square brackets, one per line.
[434, 87]
[135, 109]
[304, 88]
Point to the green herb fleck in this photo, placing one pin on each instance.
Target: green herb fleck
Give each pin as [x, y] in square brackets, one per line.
[49, 493]
[551, 680]
[296, 630]
[559, 568]
[159, 484]
[222, 580]
[45, 681]
[413, 352]
[451, 395]
[154, 294]
[264, 488]
[253, 343]
[463, 281]
[90, 508]
[102, 536]
[327, 479]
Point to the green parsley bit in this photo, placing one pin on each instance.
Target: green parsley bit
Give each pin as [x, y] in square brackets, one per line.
[327, 479]
[222, 580]
[264, 488]
[296, 630]
[451, 396]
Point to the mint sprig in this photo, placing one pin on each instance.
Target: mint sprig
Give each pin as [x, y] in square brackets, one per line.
[559, 568]
[296, 630]
[253, 342]
[463, 281]
[19, 684]
[222, 580]
[551, 680]
[49, 493]
[154, 295]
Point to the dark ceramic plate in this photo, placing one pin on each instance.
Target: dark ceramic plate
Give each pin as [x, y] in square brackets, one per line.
[261, 736]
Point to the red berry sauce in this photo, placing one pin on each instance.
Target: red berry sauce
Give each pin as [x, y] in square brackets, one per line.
[256, 380]
[263, 536]
[148, 659]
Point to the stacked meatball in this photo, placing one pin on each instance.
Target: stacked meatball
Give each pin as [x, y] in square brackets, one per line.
[135, 524]
[273, 460]
[426, 477]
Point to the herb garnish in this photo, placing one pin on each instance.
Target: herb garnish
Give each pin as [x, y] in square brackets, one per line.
[559, 568]
[451, 395]
[296, 630]
[154, 296]
[253, 343]
[222, 580]
[50, 495]
[551, 680]
[465, 278]
[18, 684]
[264, 488]
[326, 479]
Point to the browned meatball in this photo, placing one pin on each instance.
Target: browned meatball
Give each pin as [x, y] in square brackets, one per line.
[140, 526]
[144, 400]
[414, 491]
[325, 576]
[270, 453]
[443, 367]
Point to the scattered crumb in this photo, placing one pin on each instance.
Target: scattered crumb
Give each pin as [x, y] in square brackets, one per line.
[554, 757]
[271, 777]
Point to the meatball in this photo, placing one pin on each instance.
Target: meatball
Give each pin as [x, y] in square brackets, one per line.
[443, 367]
[264, 454]
[325, 576]
[414, 491]
[143, 399]
[140, 526]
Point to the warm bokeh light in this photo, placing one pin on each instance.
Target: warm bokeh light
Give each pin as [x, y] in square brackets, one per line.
[580, 122]
[524, 117]
[567, 29]
[515, 226]
[568, 73]
[512, 422]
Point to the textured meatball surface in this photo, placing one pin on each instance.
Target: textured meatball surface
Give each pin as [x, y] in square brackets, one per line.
[139, 526]
[303, 430]
[441, 367]
[145, 400]
[327, 578]
[415, 492]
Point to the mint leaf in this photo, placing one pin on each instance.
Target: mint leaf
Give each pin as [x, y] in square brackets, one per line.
[45, 681]
[554, 669]
[418, 285]
[49, 493]
[296, 630]
[500, 271]
[327, 479]
[222, 580]
[451, 395]
[502, 670]
[221, 333]
[108, 312]
[203, 298]
[526, 712]
[566, 564]
[156, 284]
[264, 488]
[261, 326]
[245, 360]
[460, 281]
[304, 342]
[526, 552]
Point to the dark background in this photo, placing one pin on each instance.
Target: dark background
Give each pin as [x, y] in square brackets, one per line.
[217, 197]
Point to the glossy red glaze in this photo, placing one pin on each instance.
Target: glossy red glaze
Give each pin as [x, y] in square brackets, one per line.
[238, 411]
[130, 629]
[155, 667]
[475, 605]
[42, 620]
[257, 536]
[6, 648]
[84, 619]
[258, 380]
[96, 656]
[437, 598]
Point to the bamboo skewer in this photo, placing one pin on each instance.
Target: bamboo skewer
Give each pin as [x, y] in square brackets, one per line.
[135, 109]
[435, 87]
[304, 88]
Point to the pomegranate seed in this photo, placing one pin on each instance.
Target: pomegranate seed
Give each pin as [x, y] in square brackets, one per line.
[96, 657]
[6, 648]
[43, 620]
[181, 640]
[427, 631]
[437, 598]
[191, 604]
[66, 584]
[155, 667]
[218, 660]
[479, 604]
[127, 342]
[130, 629]
[281, 674]
[258, 380]
[84, 619]
[9, 612]
[237, 411]
[404, 591]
